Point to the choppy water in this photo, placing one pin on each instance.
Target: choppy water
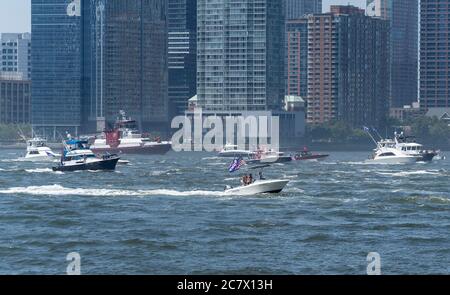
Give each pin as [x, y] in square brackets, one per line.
[167, 215]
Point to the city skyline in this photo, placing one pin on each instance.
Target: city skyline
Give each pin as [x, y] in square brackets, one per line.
[15, 16]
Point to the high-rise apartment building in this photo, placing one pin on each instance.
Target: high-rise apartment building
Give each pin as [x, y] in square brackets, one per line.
[240, 66]
[297, 57]
[434, 54]
[182, 56]
[403, 16]
[15, 54]
[298, 8]
[348, 67]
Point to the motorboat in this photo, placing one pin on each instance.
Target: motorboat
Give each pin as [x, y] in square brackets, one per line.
[125, 138]
[268, 157]
[439, 156]
[387, 153]
[306, 155]
[76, 156]
[409, 146]
[250, 186]
[37, 150]
[233, 151]
[259, 187]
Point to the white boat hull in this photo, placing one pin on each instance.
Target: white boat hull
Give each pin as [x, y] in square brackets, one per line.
[259, 187]
[39, 158]
[394, 160]
[234, 154]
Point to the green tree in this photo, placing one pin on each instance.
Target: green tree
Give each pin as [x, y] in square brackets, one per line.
[11, 132]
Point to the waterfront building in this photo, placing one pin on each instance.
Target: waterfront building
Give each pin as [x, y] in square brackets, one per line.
[15, 53]
[296, 9]
[403, 16]
[348, 67]
[434, 54]
[93, 58]
[297, 57]
[56, 66]
[240, 66]
[15, 98]
[182, 55]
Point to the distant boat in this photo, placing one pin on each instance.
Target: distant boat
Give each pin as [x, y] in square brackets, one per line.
[37, 150]
[258, 186]
[76, 156]
[408, 145]
[306, 155]
[389, 151]
[125, 138]
[232, 151]
[268, 157]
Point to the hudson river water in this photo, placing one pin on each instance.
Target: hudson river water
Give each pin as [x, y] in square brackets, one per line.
[168, 215]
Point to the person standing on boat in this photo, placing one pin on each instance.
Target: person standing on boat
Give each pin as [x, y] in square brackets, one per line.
[261, 177]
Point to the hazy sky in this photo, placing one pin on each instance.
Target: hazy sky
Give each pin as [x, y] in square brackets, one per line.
[15, 14]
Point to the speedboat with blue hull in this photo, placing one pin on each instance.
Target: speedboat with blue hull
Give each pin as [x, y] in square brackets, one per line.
[77, 157]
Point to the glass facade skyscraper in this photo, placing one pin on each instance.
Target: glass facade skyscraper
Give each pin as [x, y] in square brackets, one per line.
[434, 54]
[135, 74]
[240, 66]
[56, 38]
[298, 8]
[93, 58]
[182, 22]
[403, 16]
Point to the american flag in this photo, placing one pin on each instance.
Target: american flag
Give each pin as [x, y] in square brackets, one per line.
[236, 165]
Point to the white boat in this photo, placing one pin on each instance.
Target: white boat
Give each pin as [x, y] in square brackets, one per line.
[37, 150]
[439, 156]
[78, 157]
[232, 151]
[387, 153]
[125, 138]
[409, 146]
[270, 156]
[259, 187]
[249, 186]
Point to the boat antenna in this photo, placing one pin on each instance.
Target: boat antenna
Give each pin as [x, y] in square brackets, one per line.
[377, 133]
[21, 134]
[370, 134]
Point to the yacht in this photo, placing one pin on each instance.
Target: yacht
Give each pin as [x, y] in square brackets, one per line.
[125, 138]
[37, 150]
[306, 155]
[232, 151]
[409, 146]
[387, 153]
[76, 156]
[268, 157]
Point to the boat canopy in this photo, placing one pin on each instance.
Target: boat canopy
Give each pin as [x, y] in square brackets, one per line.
[76, 142]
